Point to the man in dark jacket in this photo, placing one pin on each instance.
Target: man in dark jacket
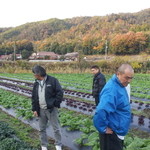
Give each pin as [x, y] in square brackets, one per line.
[47, 95]
[98, 83]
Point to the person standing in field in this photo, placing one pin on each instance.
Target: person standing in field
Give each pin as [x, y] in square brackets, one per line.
[113, 115]
[98, 83]
[47, 96]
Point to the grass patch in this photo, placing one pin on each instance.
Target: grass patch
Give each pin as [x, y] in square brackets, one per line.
[23, 131]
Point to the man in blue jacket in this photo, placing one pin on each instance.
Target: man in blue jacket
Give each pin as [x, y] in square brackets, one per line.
[47, 95]
[113, 115]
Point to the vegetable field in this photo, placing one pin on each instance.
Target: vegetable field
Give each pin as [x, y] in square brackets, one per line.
[78, 107]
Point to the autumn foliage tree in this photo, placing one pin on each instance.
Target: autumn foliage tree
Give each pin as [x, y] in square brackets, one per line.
[129, 43]
[24, 47]
[127, 33]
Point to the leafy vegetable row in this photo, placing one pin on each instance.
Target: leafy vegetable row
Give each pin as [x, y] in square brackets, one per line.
[72, 120]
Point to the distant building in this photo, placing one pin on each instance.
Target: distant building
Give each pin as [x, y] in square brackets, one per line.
[44, 56]
[18, 56]
[4, 57]
[71, 56]
[10, 57]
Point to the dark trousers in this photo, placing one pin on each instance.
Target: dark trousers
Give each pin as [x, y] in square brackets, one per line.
[110, 142]
[96, 100]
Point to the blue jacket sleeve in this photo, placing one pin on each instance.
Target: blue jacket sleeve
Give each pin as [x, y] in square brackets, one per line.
[103, 110]
[100, 124]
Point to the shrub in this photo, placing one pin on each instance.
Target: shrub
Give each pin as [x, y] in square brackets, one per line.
[136, 66]
[8, 140]
[5, 131]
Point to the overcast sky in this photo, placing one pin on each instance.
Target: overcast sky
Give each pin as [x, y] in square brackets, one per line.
[17, 12]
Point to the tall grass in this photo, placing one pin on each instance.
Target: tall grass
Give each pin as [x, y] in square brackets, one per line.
[107, 66]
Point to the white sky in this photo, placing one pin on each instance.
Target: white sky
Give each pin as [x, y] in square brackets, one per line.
[17, 12]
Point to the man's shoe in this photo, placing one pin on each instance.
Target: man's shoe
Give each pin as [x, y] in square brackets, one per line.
[44, 148]
[58, 147]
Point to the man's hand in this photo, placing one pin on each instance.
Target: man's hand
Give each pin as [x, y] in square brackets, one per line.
[35, 113]
[109, 131]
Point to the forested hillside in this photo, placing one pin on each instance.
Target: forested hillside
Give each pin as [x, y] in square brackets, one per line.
[127, 33]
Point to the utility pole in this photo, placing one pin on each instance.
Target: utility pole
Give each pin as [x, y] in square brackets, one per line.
[106, 49]
[14, 46]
